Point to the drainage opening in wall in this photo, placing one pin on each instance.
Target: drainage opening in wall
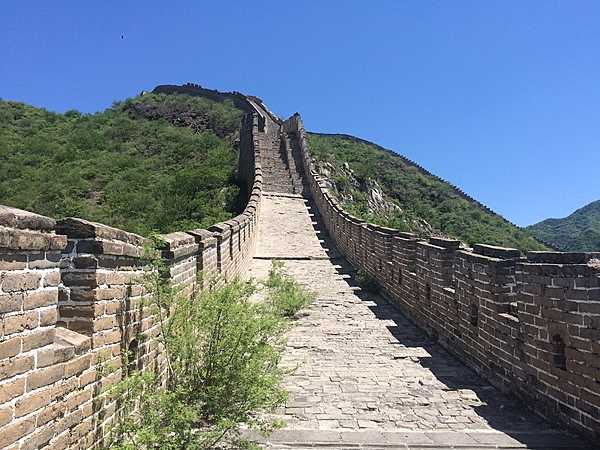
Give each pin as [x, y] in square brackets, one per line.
[559, 359]
[132, 356]
[400, 276]
[428, 291]
[473, 314]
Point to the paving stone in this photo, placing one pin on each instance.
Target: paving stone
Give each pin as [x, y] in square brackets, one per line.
[452, 438]
[362, 437]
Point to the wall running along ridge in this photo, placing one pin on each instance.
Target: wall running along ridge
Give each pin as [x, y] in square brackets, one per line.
[531, 326]
[72, 291]
[71, 305]
[458, 191]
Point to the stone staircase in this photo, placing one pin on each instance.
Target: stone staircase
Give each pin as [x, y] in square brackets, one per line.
[280, 173]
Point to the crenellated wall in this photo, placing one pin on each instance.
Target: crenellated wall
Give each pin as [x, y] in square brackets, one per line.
[71, 306]
[72, 291]
[530, 325]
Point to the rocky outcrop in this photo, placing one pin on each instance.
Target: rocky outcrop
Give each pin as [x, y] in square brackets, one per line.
[347, 188]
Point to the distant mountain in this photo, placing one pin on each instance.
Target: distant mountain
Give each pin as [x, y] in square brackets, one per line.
[579, 232]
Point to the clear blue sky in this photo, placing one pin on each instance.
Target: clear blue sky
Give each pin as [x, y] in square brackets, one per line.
[500, 97]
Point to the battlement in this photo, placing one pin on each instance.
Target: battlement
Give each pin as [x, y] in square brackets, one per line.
[530, 325]
[71, 305]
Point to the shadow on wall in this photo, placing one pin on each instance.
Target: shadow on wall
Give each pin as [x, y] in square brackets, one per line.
[502, 412]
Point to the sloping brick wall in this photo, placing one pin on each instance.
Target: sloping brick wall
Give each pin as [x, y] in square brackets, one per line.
[71, 305]
[531, 326]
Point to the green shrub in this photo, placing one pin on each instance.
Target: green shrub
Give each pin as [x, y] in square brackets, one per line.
[222, 354]
[366, 281]
[131, 166]
[222, 360]
[285, 294]
[419, 195]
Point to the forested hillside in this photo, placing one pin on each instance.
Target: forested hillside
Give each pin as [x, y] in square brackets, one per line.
[150, 163]
[579, 232]
[164, 163]
[380, 186]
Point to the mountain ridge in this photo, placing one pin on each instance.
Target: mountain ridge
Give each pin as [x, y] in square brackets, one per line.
[421, 168]
[428, 204]
[579, 231]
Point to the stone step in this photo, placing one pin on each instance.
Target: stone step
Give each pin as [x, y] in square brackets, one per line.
[383, 439]
[280, 189]
[277, 180]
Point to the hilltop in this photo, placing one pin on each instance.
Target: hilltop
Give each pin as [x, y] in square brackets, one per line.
[578, 232]
[167, 162]
[381, 186]
[150, 163]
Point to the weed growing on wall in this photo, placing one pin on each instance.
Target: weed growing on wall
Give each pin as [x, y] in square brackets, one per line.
[286, 295]
[222, 357]
[366, 282]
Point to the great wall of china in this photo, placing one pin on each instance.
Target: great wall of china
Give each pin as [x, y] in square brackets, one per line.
[529, 328]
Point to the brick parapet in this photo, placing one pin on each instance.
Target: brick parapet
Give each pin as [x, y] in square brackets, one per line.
[531, 326]
[45, 370]
[73, 299]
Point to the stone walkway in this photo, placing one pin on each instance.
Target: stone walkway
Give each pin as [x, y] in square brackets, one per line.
[364, 376]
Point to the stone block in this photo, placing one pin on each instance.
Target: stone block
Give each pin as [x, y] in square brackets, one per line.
[38, 338]
[44, 377]
[12, 261]
[11, 302]
[19, 281]
[33, 402]
[15, 431]
[11, 389]
[41, 298]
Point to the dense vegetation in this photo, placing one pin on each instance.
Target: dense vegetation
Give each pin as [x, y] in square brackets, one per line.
[222, 351]
[128, 166]
[579, 232]
[421, 197]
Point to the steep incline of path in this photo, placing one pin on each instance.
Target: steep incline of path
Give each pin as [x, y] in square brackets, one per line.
[364, 376]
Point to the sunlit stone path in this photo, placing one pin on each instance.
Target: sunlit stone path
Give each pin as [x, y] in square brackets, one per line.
[364, 375]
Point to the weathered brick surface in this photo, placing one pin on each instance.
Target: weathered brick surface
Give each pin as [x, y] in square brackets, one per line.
[530, 325]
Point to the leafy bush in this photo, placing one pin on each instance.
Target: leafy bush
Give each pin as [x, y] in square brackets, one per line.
[222, 352]
[286, 295]
[222, 355]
